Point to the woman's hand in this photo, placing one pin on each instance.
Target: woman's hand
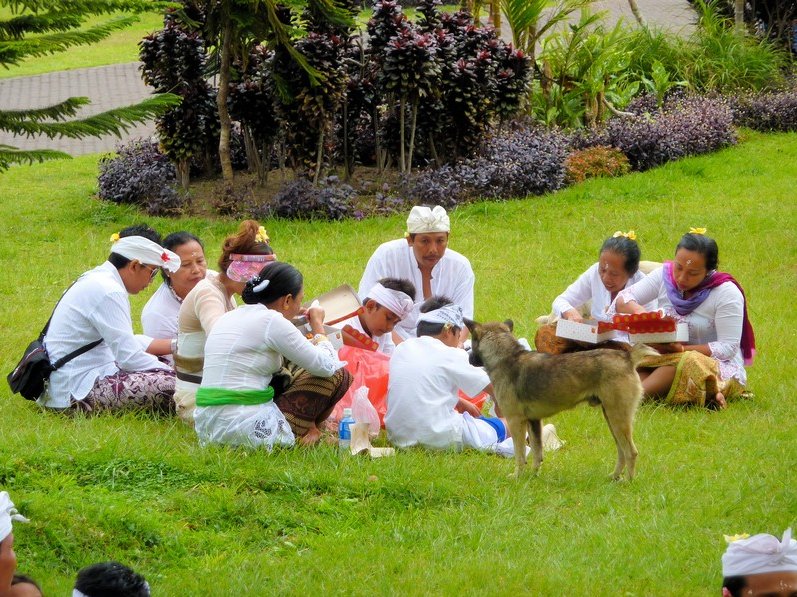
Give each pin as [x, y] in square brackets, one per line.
[573, 315]
[315, 318]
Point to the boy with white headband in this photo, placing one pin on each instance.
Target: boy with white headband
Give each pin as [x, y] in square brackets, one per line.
[116, 372]
[760, 565]
[387, 303]
[423, 258]
[426, 374]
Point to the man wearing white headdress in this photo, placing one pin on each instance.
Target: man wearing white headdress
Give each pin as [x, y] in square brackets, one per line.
[8, 559]
[423, 258]
[385, 305]
[116, 373]
[760, 565]
[426, 375]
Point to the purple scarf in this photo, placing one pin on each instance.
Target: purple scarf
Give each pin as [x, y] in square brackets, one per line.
[684, 306]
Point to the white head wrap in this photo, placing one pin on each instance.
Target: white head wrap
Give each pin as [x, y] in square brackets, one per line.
[448, 314]
[393, 300]
[759, 554]
[8, 513]
[147, 252]
[424, 219]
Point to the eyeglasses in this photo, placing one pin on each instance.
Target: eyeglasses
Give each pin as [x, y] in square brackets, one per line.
[152, 272]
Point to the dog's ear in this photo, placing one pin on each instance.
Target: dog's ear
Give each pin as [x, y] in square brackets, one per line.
[510, 324]
[470, 324]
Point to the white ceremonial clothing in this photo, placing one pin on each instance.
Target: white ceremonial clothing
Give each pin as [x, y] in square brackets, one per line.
[243, 351]
[589, 286]
[716, 322]
[198, 313]
[425, 376]
[159, 315]
[385, 341]
[452, 277]
[96, 307]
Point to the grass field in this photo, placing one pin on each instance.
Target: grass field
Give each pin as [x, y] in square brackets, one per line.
[219, 521]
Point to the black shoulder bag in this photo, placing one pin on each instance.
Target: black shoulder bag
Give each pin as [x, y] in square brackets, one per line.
[34, 368]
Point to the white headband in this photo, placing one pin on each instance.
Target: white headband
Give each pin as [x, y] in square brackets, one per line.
[448, 314]
[760, 554]
[393, 300]
[8, 513]
[423, 219]
[147, 252]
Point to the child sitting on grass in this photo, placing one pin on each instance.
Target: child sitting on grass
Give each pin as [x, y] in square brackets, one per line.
[426, 374]
[388, 302]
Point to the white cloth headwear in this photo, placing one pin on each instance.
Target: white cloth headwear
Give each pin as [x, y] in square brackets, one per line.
[451, 314]
[393, 300]
[760, 554]
[147, 252]
[424, 219]
[8, 513]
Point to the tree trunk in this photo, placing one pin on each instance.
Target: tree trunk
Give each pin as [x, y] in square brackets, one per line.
[402, 164]
[738, 13]
[412, 135]
[221, 101]
[184, 172]
[638, 15]
[495, 15]
[319, 156]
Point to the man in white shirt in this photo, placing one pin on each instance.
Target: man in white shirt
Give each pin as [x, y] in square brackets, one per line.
[423, 258]
[426, 373]
[117, 373]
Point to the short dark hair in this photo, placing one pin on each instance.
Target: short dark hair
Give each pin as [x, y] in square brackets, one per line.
[283, 279]
[735, 585]
[111, 579]
[427, 328]
[703, 245]
[138, 230]
[178, 239]
[627, 248]
[20, 579]
[397, 284]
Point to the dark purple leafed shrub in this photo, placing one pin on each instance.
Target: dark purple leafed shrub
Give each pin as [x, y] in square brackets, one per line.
[767, 111]
[684, 126]
[140, 175]
[302, 200]
[516, 163]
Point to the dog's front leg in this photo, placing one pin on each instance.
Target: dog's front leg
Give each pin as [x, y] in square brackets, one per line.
[535, 439]
[517, 429]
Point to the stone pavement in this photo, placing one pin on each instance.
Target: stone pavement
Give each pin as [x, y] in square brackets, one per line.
[120, 84]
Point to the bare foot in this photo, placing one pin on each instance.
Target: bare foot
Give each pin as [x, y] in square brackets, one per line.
[718, 403]
[310, 438]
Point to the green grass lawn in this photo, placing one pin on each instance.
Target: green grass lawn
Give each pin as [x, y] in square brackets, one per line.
[219, 521]
[119, 47]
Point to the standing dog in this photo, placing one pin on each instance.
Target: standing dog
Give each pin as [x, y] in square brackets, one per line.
[530, 386]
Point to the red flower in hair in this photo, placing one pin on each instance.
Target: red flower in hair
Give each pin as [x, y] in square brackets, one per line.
[164, 256]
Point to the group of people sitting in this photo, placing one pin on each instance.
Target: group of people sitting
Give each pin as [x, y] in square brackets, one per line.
[247, 375]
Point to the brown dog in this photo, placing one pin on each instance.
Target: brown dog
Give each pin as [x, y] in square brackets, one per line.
[531, 386]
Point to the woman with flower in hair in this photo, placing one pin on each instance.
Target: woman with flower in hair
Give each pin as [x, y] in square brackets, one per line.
[243, 255]
[710, 367]
[238, 402]
[617, 268]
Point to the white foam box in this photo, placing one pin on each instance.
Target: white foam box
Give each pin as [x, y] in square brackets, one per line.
[334, 335]
[681, 334]
[584, 332]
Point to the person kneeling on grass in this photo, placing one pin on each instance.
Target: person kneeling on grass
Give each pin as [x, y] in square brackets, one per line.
[388, 302]
[245, 349]
[426, 373]
[760, 565]
[117, 373]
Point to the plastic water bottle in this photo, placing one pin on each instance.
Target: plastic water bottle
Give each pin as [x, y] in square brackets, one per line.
[344, 430]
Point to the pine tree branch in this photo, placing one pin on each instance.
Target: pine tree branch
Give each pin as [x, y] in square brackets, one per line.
[92, 7]
[11, 155]
[57, 112]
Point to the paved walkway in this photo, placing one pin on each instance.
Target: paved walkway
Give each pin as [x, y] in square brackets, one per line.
[121, 84]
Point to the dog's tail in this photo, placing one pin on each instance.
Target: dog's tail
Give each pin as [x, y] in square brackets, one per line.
[639, 352]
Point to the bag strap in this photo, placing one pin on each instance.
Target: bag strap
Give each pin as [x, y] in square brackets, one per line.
[74, 354]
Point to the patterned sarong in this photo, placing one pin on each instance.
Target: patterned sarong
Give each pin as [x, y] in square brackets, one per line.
[138, 390]
[696, 376]
[308, 400]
